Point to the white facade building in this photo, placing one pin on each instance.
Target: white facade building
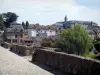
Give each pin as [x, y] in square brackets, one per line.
[38, 33]
[34, 33]
[42, 31]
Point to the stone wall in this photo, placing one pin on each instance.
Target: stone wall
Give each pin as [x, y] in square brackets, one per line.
[6, 45]
[18, 49]
[66, 63]
[21, 50]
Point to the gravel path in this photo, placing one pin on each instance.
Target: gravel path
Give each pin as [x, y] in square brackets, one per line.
[12, 64]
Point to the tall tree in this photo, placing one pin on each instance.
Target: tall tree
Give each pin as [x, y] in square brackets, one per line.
[9, 18]
[75, 40]
[23, 24]
[27, 24]
[1, 22]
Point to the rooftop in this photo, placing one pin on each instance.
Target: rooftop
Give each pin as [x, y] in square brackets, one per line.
[14, 23]
[80, 22]
[49, 27]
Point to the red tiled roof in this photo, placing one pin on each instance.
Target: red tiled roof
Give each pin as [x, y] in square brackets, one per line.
[43, 27]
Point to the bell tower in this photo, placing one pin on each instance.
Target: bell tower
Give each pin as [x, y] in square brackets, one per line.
[65, 19]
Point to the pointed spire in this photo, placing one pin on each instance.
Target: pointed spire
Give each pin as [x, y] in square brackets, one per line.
[65, 18]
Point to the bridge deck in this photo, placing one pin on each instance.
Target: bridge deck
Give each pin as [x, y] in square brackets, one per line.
[12, 64]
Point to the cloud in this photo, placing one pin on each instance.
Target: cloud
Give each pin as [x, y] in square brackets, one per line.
[49, 11]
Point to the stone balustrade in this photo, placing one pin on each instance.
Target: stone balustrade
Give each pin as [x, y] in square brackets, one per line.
[67, 63]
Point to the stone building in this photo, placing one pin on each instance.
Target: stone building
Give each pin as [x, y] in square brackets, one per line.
[17, 34]
[90, 26]
[14, 33]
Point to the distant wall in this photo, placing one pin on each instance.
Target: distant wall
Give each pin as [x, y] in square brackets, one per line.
[21, 50]
[6, 45]
[18, 49]
[71, 64]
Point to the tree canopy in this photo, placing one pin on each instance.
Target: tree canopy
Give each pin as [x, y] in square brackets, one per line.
[75, 40]
[9, 18]
[23, 24]
[27, 24]
[1, 22]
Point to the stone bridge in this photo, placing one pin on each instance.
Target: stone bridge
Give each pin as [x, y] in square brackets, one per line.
[12, 64]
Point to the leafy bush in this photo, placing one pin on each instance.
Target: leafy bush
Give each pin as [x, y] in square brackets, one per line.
[94, 56]
[97, 46]
[91, 55]
[75, 40]
[46, 44]
[62, 45]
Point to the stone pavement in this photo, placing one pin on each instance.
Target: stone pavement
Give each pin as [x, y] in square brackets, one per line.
[12, 64]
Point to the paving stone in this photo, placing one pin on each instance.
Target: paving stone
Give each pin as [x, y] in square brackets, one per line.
[12, 64]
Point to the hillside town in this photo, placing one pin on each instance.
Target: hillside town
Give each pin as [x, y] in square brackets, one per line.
[35, 33]
[68, 47]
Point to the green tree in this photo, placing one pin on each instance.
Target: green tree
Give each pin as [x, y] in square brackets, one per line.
[23, 24]
[75, 40]
[27, 24]
[1, 22]
[9, 18]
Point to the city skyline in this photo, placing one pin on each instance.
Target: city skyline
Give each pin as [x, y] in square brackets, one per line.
[48, 12]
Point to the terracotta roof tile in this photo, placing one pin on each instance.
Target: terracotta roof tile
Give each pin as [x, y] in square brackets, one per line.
[43, 27]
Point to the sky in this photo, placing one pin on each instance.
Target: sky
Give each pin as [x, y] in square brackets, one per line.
[47, 12]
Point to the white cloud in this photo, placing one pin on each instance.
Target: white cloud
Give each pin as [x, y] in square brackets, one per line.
[49, 11]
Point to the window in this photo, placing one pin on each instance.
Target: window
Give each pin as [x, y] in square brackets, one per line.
[21, 30]
[21, 36]
[37, 34]
[15, 36]
[31, 41]
[28, 41]
[25, 41]
[20, 40]
[15, 40]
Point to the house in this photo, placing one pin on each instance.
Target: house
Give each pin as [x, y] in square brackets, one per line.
[42, 31]
[38, 33]
[27, 40]
[17, 34]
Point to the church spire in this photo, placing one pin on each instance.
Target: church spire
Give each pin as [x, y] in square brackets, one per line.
[65, 18]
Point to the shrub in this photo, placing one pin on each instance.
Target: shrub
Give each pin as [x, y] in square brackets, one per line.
[97, 46]
[46, 44]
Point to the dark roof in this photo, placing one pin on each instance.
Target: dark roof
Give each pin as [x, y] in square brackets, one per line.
[43, 27]
[83, 22]
[80, 22]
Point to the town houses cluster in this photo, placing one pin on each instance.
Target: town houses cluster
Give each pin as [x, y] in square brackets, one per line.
[36, 32]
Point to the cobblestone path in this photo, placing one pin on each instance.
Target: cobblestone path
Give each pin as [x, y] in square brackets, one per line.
[12, 64]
